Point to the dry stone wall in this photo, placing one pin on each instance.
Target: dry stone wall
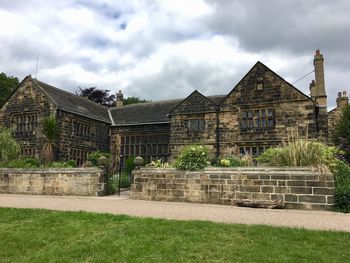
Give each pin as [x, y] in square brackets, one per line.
[62, 181]
[296, 188]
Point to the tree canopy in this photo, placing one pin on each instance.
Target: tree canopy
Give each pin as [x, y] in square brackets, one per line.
[341, 134]
[99, 96]
[7, 85]
[133, 100]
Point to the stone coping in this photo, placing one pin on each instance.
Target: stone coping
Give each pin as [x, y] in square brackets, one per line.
[40, 170]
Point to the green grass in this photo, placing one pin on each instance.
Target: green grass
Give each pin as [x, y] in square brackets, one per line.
[30, 235]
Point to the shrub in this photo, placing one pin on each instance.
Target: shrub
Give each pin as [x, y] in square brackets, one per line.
[21, 163]
[192, 157]
[341, 134]
[95, 156]
[341, 172]
[158, 164]
[299, 153]
[229, 162]
[129, 164]
[68, 164]
[9, 148]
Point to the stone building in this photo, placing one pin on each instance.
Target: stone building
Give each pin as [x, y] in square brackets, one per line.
[261, 111]
[83, 125]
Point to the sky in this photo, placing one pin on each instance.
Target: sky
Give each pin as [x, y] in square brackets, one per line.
[168, 48]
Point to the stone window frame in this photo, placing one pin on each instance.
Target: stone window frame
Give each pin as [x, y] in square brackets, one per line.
[196, 125]
[151, 146]
[257, 118]
[79, 155]
[28, 151]
[81, 128]
[253, 150]
[25, 121]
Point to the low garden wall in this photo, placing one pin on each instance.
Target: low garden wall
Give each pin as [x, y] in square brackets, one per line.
[52, 181]
[296, 188]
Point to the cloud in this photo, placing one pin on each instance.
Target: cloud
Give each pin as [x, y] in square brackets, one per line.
[165, 49]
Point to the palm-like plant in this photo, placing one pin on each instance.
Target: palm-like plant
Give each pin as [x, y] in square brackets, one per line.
[50, 131]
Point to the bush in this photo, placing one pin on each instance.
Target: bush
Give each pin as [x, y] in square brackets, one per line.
[341, 172]
[9, 148]
[68, 164]
[158, 164]
[93, 157]
[129, 164]
[21, 163]
[229, 162]
[192, 157]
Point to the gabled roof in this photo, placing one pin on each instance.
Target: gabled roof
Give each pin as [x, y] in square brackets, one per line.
[210, 103]
[143, 113]
[72, 103]
[257, 64]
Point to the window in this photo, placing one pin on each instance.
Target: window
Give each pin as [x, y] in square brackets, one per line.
[258, 118]
[28, 151]
[195, 125]
[25, 122]
[252, 150]
[150, 147]
[81, 129]
[79, 155]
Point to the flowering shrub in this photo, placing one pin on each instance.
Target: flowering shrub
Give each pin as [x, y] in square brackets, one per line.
[229, 162]
[158, 164]
[193, 157]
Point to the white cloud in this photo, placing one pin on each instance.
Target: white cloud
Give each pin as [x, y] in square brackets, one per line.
[167, 48]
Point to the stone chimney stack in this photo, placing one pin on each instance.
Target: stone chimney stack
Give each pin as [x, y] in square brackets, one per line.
[320, 90]
[313, 90]
[119, 101]
[342, 100]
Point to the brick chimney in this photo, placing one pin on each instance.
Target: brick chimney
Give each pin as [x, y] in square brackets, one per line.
[320, 89]
[119, 101]
[342, 100]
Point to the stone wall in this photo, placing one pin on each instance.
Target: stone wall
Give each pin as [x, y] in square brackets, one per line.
[296, 188]
[62, 181]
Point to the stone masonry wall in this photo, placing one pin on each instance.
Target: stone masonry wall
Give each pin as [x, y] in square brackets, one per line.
[62, 181]
[297, 188]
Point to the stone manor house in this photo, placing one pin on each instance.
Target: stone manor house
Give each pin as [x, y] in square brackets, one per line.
[261, 111]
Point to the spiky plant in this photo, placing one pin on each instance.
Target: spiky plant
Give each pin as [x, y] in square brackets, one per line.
[50, 131]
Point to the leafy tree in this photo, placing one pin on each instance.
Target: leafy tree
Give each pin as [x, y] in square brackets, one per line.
[99, 96]
[133, 100]
[7, 85]
[341, 134]
[9, 148]
[50, 131]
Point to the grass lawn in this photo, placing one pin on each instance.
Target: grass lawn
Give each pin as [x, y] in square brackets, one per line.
[31, 235]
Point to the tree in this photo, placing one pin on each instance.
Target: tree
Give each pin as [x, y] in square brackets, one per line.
[97, 95]
[133, 100]
[50, 131]
[341, 134]
[7, 86]
[9, 148]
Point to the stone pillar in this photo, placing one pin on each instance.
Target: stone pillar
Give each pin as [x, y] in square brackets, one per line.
[320, 94]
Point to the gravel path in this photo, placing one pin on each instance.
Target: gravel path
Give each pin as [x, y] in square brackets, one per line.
[182, 211]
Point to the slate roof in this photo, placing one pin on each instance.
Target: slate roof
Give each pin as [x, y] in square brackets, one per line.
[141, 113]
[72, 103]
[149, 112]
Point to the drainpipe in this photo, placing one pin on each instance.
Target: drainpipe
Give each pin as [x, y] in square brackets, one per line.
[217, 133]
